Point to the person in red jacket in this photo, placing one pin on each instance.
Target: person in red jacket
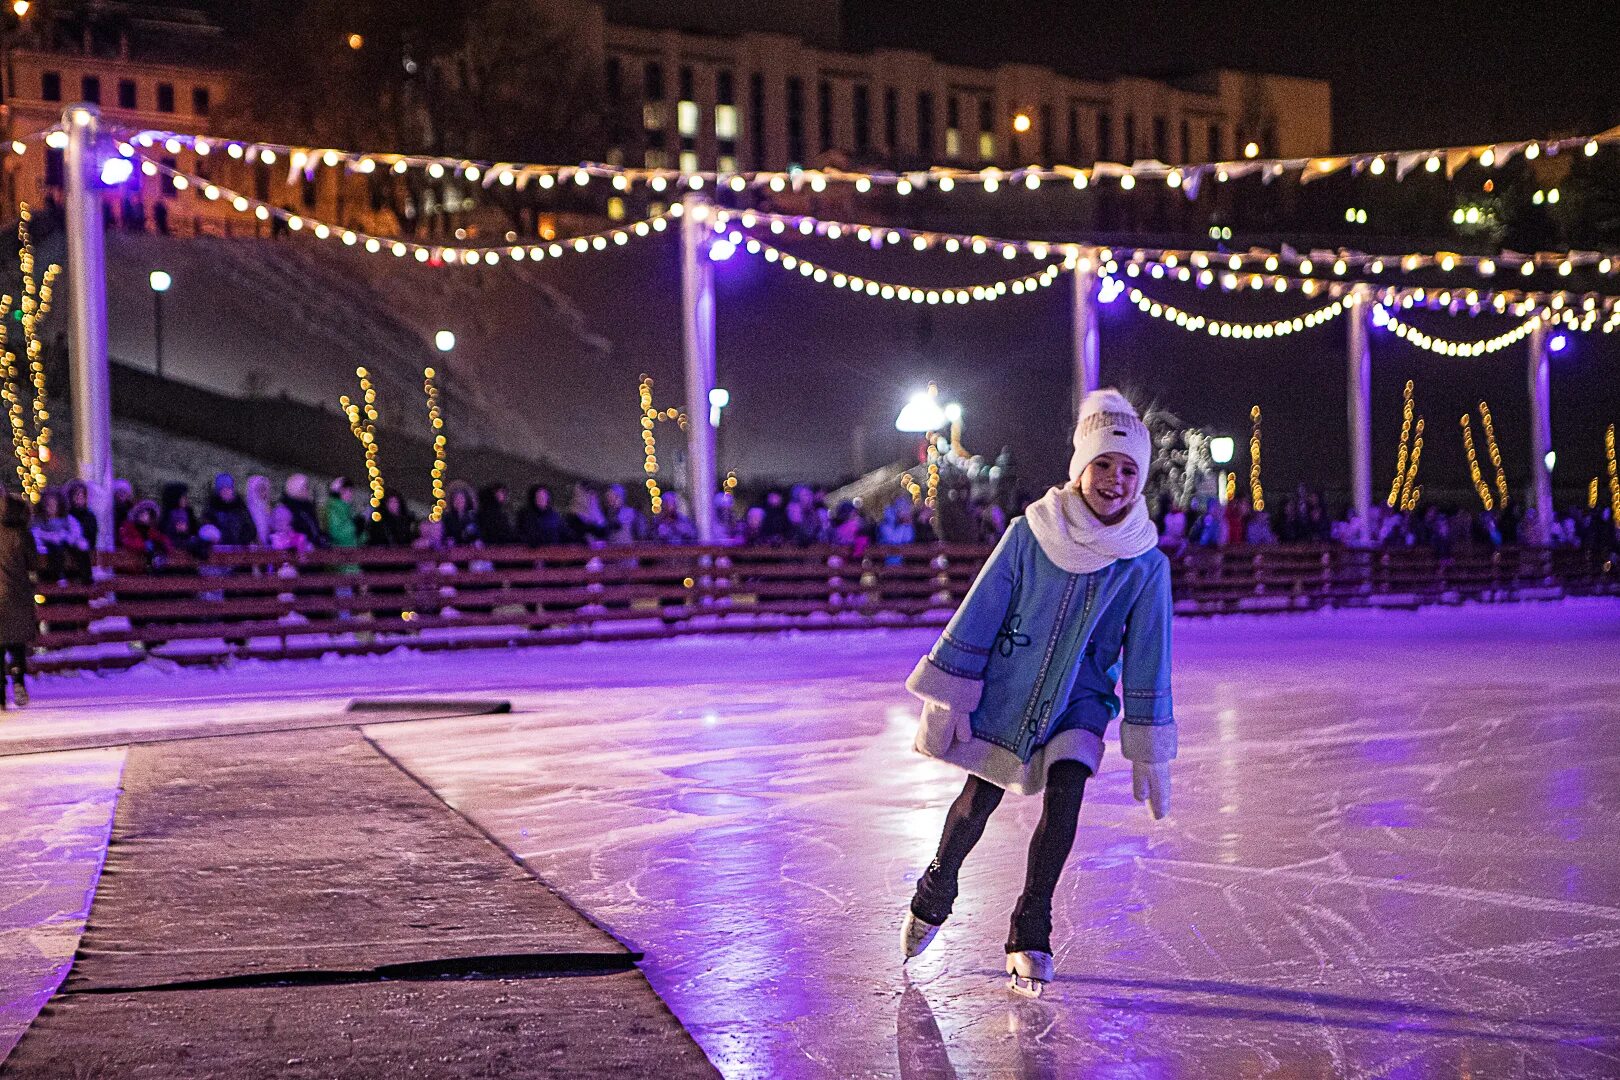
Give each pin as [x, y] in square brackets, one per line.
[140, 533]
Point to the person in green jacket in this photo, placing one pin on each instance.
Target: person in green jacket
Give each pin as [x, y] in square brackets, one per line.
[338, 515]
[338, 518]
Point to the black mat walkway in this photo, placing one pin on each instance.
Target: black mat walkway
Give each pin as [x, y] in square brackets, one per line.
[292, 904]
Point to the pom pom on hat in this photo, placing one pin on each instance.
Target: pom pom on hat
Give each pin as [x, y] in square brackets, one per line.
[1109, 424]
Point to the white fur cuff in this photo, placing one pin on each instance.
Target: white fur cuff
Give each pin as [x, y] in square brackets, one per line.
[1149, 743]
[942, 688]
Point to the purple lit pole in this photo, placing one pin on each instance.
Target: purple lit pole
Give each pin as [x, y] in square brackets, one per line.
[1540, 432]
[1087, 352]
[87, 290]
[1360, 396]
[697, 347]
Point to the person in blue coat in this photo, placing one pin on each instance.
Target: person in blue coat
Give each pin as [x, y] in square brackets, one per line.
[1020, 687]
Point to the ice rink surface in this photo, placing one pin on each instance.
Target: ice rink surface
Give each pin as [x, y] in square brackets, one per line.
[1394, 847]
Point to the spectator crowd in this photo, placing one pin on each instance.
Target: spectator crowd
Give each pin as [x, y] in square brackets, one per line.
[66, 531]
[1447, 530]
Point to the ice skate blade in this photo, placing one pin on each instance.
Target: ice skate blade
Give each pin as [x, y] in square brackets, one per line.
[915, 936]
[1026, 988]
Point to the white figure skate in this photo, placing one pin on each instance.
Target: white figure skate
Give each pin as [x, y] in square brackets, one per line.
[916, 934]
[1030, 972]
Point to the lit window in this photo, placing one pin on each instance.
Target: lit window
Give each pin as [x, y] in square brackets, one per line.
[987, 145]
[615, 209]
[725, 121]
[655, 159]
[728, 163]
[953, 143]
[689, 161]
[686, 117]
[652, 116]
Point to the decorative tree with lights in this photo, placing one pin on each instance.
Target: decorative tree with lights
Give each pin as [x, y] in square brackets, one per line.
[25, 395]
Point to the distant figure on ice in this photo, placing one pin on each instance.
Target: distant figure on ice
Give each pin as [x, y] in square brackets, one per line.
[19, 619]
[1020, 687]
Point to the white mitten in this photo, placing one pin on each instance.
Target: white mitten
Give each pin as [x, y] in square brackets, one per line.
[1150, 783]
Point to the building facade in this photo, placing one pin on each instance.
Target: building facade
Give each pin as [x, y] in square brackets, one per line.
[698, 99]
[755, 101]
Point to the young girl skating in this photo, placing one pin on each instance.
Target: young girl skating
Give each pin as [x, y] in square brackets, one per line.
[1020, 686]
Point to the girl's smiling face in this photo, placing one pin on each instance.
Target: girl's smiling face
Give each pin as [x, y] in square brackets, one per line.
[1109, 485]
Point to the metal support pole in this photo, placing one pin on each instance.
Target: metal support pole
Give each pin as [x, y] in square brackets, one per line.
[87, 287]
[157, 329]
[1360, 394]
[1087, 353]
[697, 346]
[1540, 434]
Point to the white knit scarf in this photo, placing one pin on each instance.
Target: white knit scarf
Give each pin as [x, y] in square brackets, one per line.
[1074, 538]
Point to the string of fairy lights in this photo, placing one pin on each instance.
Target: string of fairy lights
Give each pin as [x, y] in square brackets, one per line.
[650, 418]
[1408, 408]
[1340, 263]
[27, 410]
[1406, 332]
[1189, 179]
[1495, 452]
[441, 461]
[434, 254]
[1315, 272]
[1236, 270]
[916, 294]
[1411, 490]
[1614, 474]
[1256, 492]
[362, 417]
[1481, 488]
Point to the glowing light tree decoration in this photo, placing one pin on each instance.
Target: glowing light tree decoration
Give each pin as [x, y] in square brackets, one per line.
[30, 444]
[650, 418]
[430, 388]
[1411, 490]
[1480, 487]
[1398, 486]
[1592, 494]
[1256, 494]
[1495, 453]
[1614, 472]
[363, 426]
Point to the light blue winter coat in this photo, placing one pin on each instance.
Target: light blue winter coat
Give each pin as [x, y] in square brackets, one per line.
[1033, 655]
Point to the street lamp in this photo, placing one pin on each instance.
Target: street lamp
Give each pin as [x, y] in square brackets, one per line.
[922, 413]
[160, 282]
[444, 340]
[1221, 448]
[719, 398]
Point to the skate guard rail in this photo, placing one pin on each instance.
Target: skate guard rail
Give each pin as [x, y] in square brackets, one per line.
[266, 604]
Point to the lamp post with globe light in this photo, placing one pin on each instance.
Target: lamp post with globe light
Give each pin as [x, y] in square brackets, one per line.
[1220, 452]
[160, 282]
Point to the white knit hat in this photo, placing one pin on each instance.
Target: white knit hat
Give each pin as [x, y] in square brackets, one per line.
[1108, 423]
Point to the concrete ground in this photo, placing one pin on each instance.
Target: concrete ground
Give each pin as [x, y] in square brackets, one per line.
[1390, 853]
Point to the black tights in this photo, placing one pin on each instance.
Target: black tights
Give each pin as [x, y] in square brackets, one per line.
[1048, 851]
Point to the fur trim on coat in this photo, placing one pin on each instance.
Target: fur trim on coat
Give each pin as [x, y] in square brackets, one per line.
[945, 696]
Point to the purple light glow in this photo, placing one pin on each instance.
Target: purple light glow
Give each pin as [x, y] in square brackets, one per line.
[721, 250]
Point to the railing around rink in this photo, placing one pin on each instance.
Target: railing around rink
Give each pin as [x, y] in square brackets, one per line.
[264, 604]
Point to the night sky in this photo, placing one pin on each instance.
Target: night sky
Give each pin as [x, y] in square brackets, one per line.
[1403, 74]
